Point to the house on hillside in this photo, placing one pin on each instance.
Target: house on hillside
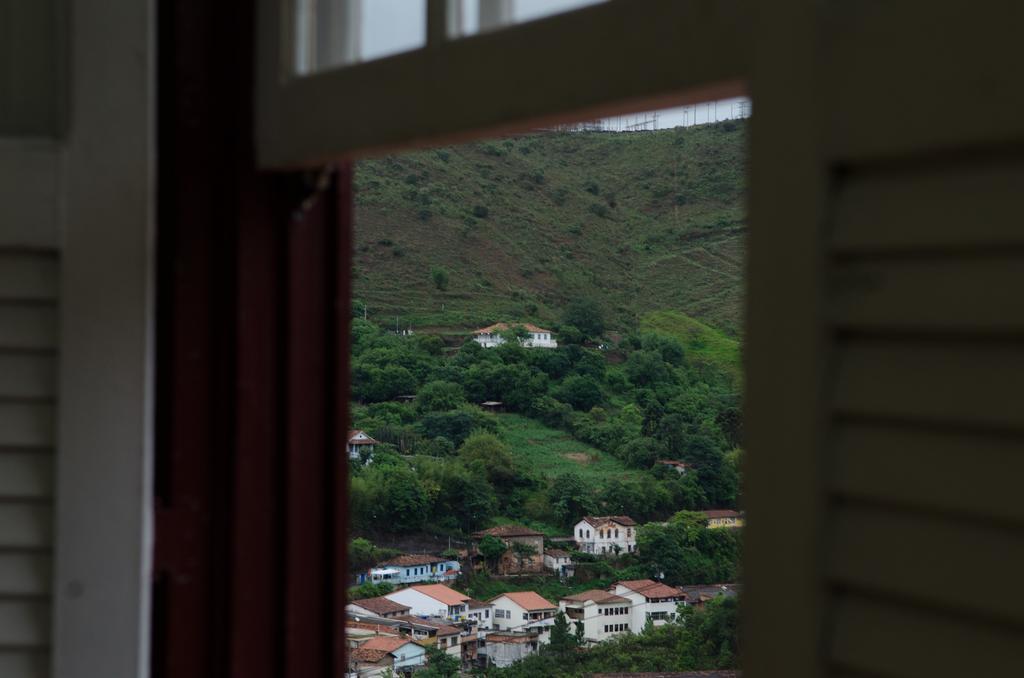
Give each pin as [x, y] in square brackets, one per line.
[602, 614]
[528, 556]
[649, 600]
[699, 594]
[360, 442]
[519, 608]
[538, 337]
[411, 568]
[560, 562]
[507, 647]
[371, 663]
[406, 655]
[379, 607]
[432, 600]
[480, 612]
[436, 632]
[680, 467]
[723, 518]
[605, 535]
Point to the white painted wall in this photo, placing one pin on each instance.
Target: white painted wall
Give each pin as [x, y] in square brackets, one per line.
[420, 604]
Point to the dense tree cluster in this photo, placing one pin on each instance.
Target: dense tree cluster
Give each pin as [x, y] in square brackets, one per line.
[443, 462]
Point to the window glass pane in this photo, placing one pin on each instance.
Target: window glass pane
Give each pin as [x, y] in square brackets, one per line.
[478, 16]
[331, 33]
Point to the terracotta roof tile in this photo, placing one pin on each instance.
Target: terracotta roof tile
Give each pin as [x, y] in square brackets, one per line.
[528, 600]
[651, 589]
[381, 605]
[407, 559]
[441, 593]
[386, 643]
[597, 596]
[722, 513]
[621, 520]
[501, 327]
[364, 654]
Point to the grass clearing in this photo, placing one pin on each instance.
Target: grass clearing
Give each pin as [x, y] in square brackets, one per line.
[549, 452]
[702, 342]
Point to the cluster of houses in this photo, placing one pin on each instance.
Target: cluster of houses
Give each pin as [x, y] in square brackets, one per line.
[391, 632]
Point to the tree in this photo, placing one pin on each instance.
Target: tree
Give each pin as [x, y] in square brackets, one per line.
[404, 502]
[586, 316]
[485, 451]
[641, 452]
[571, 498]
[561, 640]
[439, 396]
[361, 554]
[582, 393]
[440, 277]
[579, 633]
[440, 664]
[491, 548]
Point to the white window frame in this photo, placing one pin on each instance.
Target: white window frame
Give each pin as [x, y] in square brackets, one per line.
[624, 55]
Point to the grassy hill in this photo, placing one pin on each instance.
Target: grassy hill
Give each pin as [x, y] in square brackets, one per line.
[640, 222]
[702, 342]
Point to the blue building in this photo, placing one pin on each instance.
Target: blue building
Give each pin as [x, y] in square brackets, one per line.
[411, 568]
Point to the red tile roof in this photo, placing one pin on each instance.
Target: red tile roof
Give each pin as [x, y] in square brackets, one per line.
[557, 553]
[528, 600]
[441, 593]
[353, 433]
[599, 520]
[722, 513]
[364, 654]
[507, 531]
[597, 596]
[442, 628]
[651, 589]
[386, 643]
[381, 605]
[673, 462]
[501, 327]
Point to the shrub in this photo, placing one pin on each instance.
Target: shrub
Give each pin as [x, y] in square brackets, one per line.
[598, 209]
[440, 277]
[480, 211]
[592, 187]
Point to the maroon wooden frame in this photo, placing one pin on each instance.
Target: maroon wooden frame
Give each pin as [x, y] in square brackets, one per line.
[253, 316]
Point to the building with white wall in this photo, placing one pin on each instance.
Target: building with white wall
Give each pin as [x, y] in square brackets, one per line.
[518, 609]
[605, 535]
[432, 600]
[603, 614]
[649, 600]
[536, 337]
[410, 568]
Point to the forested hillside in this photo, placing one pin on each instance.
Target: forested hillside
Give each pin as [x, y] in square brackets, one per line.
[459, 237]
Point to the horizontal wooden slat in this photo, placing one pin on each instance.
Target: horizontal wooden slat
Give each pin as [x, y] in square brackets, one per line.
[944, 562]
[26, 424]
[24, 664]
[916, 209]
[26, 526]
[977, 383]
[898, 641]
[28, 326]
[28, 275]
[946, 470]
[888, 94]
[24, 574]
[966, 294]
[26, 475]
[24, 623]
[27, 375]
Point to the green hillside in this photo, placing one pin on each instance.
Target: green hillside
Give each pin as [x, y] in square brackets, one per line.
[639, 222]
[702, 342]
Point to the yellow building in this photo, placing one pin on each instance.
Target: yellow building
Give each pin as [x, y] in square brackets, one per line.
[723, 518]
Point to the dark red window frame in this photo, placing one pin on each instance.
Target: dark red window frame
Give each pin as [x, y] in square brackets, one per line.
[253, 290]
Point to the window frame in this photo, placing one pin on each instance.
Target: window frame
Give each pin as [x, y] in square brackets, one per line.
[515, 78]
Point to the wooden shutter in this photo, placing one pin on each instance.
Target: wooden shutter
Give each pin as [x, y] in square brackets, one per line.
[886, 356]
[29, 269]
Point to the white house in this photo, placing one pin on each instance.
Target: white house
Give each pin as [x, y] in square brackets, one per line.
[432, 600]
[410, 568]
[649, 600]
[559, 561]
[444, 636]
[603, 614]
[407, 655]
[605, 535]
[680, 467]
[359, 441]
[520, 608]
[490, 336]
[379, 607]
[481, 612]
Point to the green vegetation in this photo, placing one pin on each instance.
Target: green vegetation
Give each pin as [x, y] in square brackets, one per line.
[636, 222]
